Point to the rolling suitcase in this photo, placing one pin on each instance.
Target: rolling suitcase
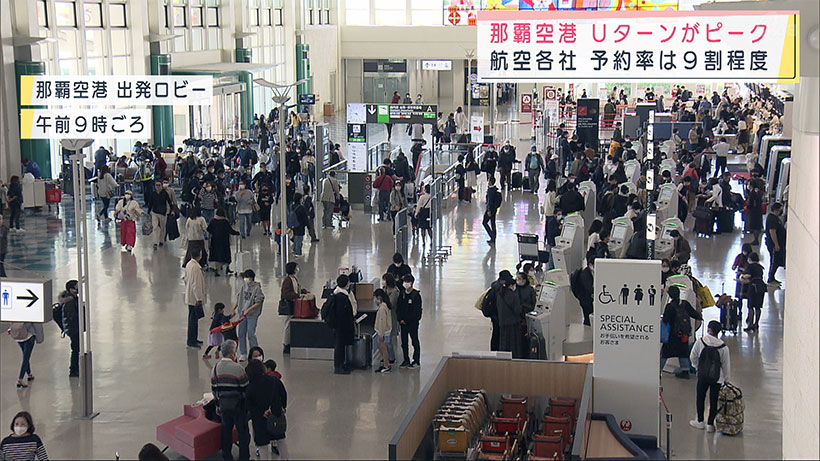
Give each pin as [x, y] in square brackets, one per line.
[526, 183]
[517, 180]
[360, 353]
[536, 348]
[703, 220]
[242, 259]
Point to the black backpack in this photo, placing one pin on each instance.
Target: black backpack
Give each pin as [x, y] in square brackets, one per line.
[682, 326]
[328, 311]
[57, 315]
[709, 363]
[489, 306]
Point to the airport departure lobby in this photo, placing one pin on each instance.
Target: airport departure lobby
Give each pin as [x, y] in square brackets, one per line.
[409, 229]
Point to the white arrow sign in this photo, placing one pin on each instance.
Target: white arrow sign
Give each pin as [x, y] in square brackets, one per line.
[25, 300]
[371, 109]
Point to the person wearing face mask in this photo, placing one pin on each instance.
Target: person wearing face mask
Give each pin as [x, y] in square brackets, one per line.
[677, 314]
[208, 201]
[506, 159]
[195, 228]
[753, 213]
[582, 284]
[398, 201]
[399, 269]
[508, 304]
[128, 211]
[23, 444]
[220, 232]
[526, 298]
[341, 320]
[682, 250]
[392, 289]
[248, 305]
[666, 270]
[195, 294]
[244, 208]
[291, 291]
[229, 384]
[775, 241]
[160, 207]
[409, 310]
[383, 327]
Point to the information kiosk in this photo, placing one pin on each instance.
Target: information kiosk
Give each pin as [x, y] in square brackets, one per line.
[665, 245]
[766, 145]
[668, 164]
[578, 337]
[783, 181]
[620, 237]
[633, 189]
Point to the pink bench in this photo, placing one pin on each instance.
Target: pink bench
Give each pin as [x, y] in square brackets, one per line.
[192, 435]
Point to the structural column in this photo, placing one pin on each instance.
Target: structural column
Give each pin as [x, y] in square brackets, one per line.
[34, 149]
[163, 116]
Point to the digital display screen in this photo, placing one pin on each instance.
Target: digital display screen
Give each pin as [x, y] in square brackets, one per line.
[619, 232]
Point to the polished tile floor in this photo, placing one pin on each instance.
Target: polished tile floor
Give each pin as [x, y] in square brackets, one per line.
[143, 373]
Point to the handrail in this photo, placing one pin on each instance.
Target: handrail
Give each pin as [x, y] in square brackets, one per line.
[334, 167]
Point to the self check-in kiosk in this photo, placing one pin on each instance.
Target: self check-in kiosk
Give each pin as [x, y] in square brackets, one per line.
[633, 170]
[667, 204]
[633, 189]
[766, 145]
[665, 245]
[558, 319]
[568, 252]
[589, 191]
[783, 181]
[620, 237]
[777, 154]
[547, 322]
[668, 165]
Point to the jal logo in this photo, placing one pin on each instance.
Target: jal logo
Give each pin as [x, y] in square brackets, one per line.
[626, 425]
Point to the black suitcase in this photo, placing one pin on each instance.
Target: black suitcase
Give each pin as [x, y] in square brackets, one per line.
[725, 221]
[537, 348]
[730, 316]
[360, 353]
[517, 180]
[526, 184]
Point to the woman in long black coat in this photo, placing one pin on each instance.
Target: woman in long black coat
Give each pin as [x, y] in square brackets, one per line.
[220, 231]
[265, 396]
[754, 210]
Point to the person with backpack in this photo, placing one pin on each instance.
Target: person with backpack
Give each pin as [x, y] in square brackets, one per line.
[677, 314]
[489, 164]
[494, 199]
[69, 316]
[535, 165]
[508, 306]
[489, 307]
[228, 384]
[408, 311]
[339, 311]
[754, 290]
[582, 284]
[713, 359]
[384, 184]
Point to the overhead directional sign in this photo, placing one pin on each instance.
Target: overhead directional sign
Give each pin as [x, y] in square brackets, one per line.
[25, 300]
[401, 113]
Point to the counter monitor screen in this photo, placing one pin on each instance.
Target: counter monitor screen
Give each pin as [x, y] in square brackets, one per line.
[567, 231]
[619, 232]
[666, 194]
[547, 295]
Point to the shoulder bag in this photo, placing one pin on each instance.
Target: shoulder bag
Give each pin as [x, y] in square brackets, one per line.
[277, 426]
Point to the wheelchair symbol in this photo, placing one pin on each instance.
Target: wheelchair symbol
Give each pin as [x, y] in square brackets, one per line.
[605, 297]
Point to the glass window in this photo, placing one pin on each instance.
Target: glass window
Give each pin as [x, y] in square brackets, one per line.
[116, 15]
[179, 16]
[179, 42]
[391, 17]
[65, 14]
[119, 43]
[213, 17]
[277, 17]
[213, 2]
[92, 14]
[254, 17]
[196, 17]
[327, 16]
[180, 2]
[426, 17]
[265, 13]
[68, 66]
[120, 64]
[94, 42]
[197, 36]
[67, 43]
[42, 17]
[96, 66]
[214, 38]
